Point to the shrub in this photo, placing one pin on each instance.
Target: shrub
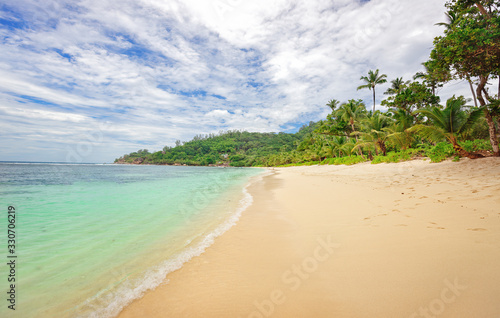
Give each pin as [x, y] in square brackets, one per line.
[475, 145]
[440, 152]
[396, 156]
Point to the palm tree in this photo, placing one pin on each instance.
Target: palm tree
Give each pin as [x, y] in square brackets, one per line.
[452, 19]
[397, 85]
[399, 133]
[432, 76]
[352, 112]
[374, 133]
[336, 145]
[347, 148]
[333, 103]
[448, 123]
[371, 80]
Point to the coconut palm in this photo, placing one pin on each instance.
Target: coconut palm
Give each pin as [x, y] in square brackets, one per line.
[336, 145]
[399, 134]
[452, 17]
[317, 148]
[374, 133]
[352, 112]
[448, 123]
[432, 76]
[371, 80]
[333, 103]
[396, 86]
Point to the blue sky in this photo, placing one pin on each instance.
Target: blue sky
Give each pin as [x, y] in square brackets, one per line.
[91, 80]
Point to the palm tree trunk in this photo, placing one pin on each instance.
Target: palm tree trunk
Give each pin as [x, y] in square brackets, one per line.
[489, 119]
[356, 137]
[383, 148]
[370, 156]
[374, 99]
[472, 90]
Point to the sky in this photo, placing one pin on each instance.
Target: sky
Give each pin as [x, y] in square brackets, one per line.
[92, 80]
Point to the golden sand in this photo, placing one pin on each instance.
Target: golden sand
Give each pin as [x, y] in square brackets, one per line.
[413, 239]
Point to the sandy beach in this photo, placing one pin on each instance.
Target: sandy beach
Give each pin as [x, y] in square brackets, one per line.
[413, 239]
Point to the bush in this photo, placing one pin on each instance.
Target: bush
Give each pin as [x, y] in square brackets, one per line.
[398, 156]
[349, 160]
[475, 145]
[440, 152]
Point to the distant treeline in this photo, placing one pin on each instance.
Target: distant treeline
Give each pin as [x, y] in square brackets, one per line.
[234, 148]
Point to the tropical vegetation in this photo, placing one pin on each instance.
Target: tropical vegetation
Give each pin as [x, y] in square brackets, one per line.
[415, 123]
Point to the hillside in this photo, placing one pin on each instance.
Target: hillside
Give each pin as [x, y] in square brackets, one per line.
[234, 148]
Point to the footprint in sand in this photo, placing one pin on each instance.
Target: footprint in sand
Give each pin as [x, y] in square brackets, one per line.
[474, 191]
[367, 218]
[436, 227]
[432, 223]
[477, 229]
[424, 197]
[396, 210]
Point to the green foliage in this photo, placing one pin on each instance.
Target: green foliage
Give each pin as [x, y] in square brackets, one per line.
[235, 148]
[475, 145]
[374, 133]
[412, 96]
[396, 86]
[392, 136]
[350, 160]
[396, 156]
[351, 112]
[469, 46]
[449, 122]
[440, 152]
[470, 49]
[371, 81]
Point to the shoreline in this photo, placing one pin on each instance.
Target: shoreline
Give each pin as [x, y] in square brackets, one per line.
[387, 240]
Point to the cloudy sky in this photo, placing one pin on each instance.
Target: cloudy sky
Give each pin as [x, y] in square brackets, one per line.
[91, 80]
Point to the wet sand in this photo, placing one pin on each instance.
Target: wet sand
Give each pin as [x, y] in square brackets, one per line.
[413, 239]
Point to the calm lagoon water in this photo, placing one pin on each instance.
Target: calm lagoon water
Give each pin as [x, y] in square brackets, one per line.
[92, 238]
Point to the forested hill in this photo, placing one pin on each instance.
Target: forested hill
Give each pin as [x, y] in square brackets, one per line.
[234, 148]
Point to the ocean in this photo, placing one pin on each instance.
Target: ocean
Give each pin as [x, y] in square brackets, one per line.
[88, 239]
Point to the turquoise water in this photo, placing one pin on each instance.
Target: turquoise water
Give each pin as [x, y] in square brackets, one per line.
[92, 238]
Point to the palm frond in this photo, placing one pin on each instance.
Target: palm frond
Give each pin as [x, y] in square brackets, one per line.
[474, 116]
